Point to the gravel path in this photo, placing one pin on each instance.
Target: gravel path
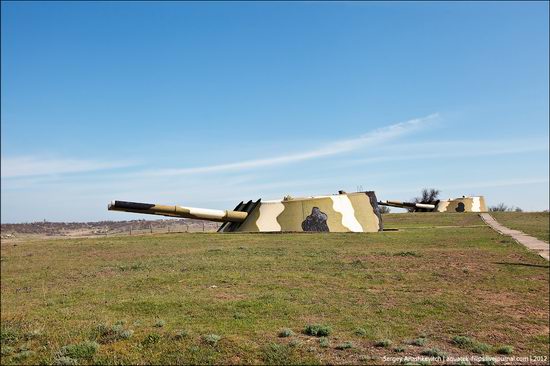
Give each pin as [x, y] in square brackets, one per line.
[530, 242]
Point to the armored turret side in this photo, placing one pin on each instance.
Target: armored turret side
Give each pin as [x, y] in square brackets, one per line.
[354, 212]
[463, 204]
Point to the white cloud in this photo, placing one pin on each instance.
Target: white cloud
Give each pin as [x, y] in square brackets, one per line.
[333, 148]
[453, 149]
[25, 166]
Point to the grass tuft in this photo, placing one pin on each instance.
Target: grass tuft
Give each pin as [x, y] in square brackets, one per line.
[286, 332]
[345, 345]
[180, 334]
[22, 355]
[211, 339]
[324, 342]
[505, 350]
[383, 343]
[150, 339]
[294, 343]
[419, 341]
[361, 332]
[317, 330]
[462, 341]
[480, 348]
[471, 344]
[33, 334]
[85, 350]
[8, 335]
[399, 349]
[106, 334]
[159, 323]
[433, 352]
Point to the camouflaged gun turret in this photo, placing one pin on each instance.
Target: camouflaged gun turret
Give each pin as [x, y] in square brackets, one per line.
[462, 204]
[344, 212]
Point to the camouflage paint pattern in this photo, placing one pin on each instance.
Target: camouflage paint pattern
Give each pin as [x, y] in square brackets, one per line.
[345, 212]
[462, 204]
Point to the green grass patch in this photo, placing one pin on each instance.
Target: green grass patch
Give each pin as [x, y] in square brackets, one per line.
[83, 350]
[257, 285]
[536, 224]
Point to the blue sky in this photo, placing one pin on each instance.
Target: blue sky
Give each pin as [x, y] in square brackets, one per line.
[208, 104]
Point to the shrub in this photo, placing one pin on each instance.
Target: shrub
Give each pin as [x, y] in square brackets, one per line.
[360, 332]
[151, 338]
[211, 339]
[505, 350]
[294, 343]
[384, 209]
[19, 356]
[462, 341]
[399, 349]
[383, 343]
[6, 350]
[180, 334]
[86, 349]
[433, 352]
[286, 333]
[105, 334]
[33, 334]
[317, 330]
[479, 347]
[419, 341]
[324, 342]
[160, 323]
[8, 335]
[345, 345]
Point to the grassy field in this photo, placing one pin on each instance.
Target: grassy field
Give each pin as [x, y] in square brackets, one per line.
[461, 290]
[536, 224]
[422, 220]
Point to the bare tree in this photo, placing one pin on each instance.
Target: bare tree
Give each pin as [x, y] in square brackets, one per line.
[501, 207]
[384, 209]
[428, 195]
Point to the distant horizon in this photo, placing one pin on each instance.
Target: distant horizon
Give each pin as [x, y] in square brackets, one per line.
[209, 104]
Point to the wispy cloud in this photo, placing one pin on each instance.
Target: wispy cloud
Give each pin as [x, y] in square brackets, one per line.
[26, 166]
[332, 148]
[453, 149]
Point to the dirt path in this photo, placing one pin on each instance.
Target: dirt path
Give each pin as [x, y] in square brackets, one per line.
[530, 242]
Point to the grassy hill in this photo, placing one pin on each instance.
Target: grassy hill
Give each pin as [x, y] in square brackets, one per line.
[224, 298]
[536, 224]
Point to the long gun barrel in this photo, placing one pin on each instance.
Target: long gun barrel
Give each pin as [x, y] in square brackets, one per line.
[179, 211]
[426, 206]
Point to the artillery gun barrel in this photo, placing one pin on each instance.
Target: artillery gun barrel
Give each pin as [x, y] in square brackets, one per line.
[407, 204]
[178, 211]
